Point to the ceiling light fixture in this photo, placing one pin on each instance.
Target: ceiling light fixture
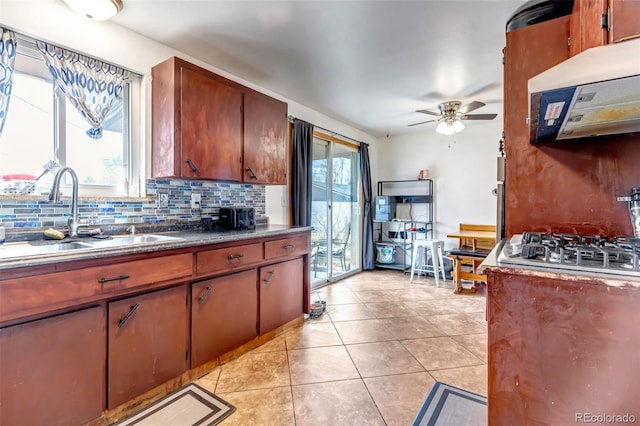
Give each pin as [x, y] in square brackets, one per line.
[97, 10]
[449, 127]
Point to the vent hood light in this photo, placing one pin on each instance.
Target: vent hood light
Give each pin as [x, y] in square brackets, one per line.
[594, 93]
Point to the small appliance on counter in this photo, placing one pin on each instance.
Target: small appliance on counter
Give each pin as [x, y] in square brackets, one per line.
[237, 218]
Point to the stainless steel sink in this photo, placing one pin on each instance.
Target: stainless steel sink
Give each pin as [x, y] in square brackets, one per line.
[12, 251]
[26, 250]
[125, 240]
[144, 238]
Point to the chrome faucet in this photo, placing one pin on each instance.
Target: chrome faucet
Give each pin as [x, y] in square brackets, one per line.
[54, 195]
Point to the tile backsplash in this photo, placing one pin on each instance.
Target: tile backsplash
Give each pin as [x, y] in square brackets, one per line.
[31, 212]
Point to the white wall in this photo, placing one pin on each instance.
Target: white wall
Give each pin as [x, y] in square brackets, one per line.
[463, 174]
[53, 21]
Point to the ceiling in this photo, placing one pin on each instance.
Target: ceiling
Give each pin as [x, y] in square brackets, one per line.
[370, 64]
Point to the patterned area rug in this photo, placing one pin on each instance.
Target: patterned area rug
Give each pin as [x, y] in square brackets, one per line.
[448, 405]
[188, 406]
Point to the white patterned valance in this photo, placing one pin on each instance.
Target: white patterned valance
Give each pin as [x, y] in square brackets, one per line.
[7, 64]
[92, 86]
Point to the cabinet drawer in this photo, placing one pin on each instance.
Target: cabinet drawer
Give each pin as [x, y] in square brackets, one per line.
[286, 247]
[41, 293]
[228, 259]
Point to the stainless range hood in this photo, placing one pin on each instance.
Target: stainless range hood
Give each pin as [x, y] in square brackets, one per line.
[594, 93]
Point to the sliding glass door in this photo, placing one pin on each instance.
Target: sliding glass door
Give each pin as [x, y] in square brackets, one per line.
[336, 210]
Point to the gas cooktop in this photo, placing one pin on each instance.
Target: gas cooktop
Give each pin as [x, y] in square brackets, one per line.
[574, 252]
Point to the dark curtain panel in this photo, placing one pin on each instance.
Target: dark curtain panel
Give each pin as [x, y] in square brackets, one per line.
[368, 252]
[302, 156]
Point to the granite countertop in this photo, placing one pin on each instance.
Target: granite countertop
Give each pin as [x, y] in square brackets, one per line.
[184, 238]
[491, 263]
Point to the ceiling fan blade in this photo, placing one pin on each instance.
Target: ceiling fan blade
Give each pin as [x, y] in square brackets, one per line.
[479, 117]
[426, 111]
[422, 122]
[471, 106]
[483, 91]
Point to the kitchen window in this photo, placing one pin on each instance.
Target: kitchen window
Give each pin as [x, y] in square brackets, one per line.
[42, 126]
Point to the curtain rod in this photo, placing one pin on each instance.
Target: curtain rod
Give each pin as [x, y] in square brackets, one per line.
[290, 118]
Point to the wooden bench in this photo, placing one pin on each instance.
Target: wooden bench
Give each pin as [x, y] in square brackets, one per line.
[476, 241]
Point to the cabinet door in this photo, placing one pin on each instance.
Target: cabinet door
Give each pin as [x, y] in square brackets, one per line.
[529, 51]
[265, 139]
[280, 294]
[555, 344]
[224, 315]
[211, 127]
[586, 25]
[625, 20]
[52, 370]
[148, 340]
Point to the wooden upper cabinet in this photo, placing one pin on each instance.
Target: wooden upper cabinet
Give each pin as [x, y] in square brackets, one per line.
[208, 127]
[589, 23]
[196, 123]
[624, 22]
[211, 127]
[265, 139]
[585, 27]
[529, 51]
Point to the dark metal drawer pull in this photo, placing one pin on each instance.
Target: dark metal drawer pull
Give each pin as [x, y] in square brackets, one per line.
[126, 317]
[251, 173]
[269, 276]
[235, 256]
[193, 166]
[204, 295]
[106, 280]
[289, 246]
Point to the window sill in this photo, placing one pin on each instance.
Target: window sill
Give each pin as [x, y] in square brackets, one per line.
[16, 197]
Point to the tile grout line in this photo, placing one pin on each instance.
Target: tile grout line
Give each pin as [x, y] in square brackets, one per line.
[293, 402]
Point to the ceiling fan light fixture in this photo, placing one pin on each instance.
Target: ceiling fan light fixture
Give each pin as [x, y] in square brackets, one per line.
[97, 10]
[450, 127]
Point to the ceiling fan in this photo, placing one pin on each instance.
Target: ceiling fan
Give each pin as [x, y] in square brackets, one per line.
[451, 113]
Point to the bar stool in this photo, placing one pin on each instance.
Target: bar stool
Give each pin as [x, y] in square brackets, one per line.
[420, 248]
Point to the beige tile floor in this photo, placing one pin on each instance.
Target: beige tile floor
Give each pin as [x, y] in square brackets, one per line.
[370, 360]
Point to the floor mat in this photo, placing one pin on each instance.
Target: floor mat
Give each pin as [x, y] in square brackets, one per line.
[448, 405]
[190, 405]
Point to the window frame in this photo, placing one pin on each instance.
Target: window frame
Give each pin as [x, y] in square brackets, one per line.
[133, 127]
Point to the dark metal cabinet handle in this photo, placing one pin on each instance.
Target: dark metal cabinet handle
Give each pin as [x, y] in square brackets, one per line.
[269, 276]
[126, 317]
[193, 166]
[106, 280]
[235, 256]
[251, 173]
[205, 294]
[289, 246]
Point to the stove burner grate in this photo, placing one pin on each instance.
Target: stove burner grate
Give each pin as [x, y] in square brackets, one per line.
[582, 251]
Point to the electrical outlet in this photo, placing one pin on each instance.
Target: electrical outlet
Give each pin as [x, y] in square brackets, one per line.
[163, 200]
[196, 201]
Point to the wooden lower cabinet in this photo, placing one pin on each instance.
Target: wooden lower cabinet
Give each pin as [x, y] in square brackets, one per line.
[148, 342]
[52, 370]
[561, 346]
[224, 315]
[280, 294]
[82, 365]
